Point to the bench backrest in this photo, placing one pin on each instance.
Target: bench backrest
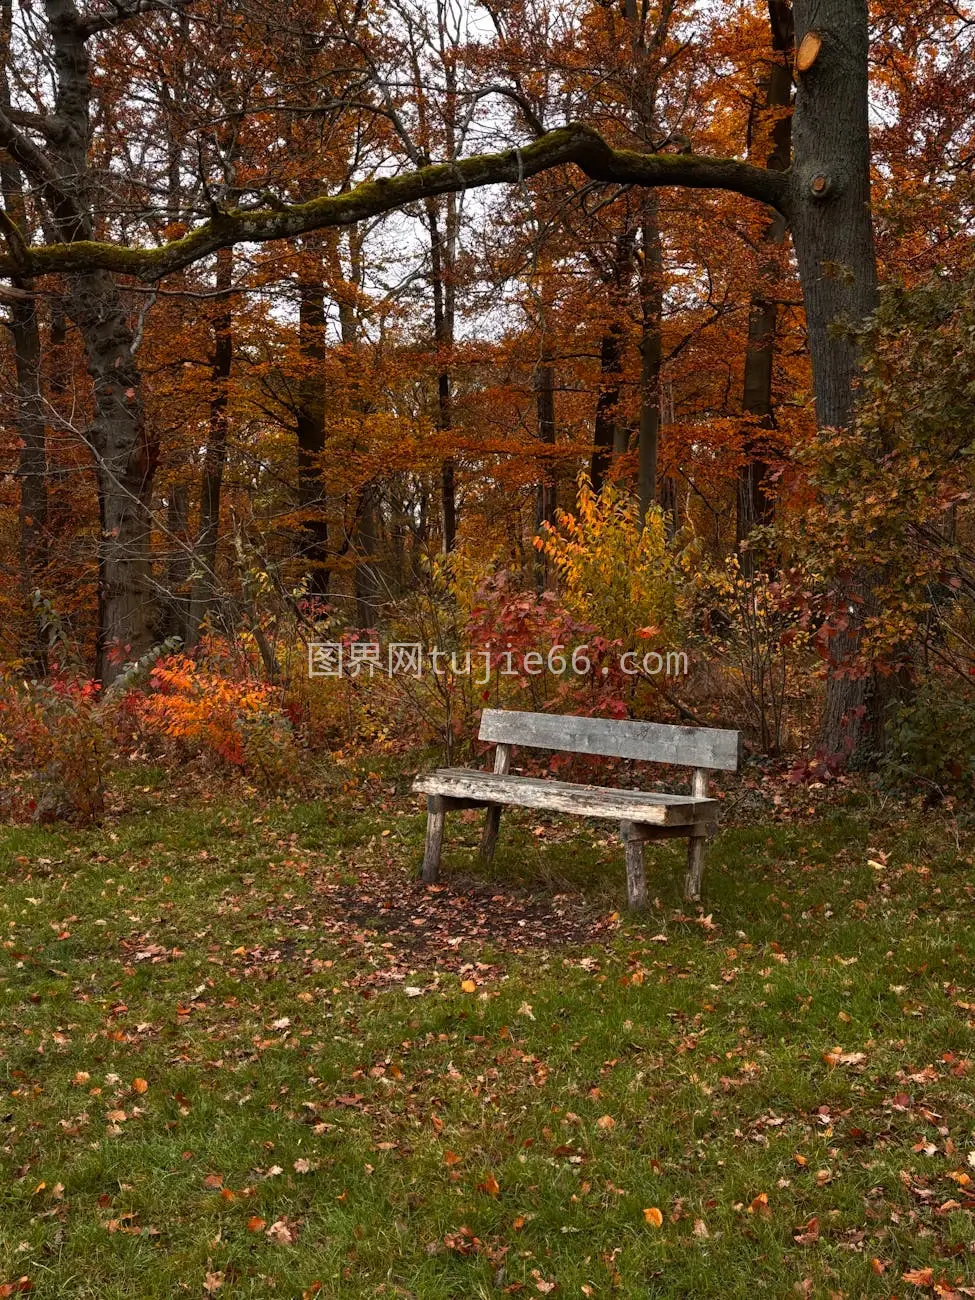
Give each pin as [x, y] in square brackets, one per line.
[652, 742]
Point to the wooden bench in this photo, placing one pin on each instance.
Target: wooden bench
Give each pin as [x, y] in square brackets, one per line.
[642, 815]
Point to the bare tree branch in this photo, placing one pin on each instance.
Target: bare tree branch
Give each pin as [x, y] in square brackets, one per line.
[92, 24]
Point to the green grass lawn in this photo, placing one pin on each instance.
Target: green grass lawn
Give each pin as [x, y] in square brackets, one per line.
[244, 1054]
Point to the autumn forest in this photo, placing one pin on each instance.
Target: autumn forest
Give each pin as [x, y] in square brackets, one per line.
[371, 370]
[309, 308]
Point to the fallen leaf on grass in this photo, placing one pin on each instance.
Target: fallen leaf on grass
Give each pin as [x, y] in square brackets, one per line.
[282, 1232]
[490, 1185]
[838, 1057]
[919, 1276]
[808, 1234]
[654, 1217]
[255, 1223]
[760, 1205]
[140, 1086]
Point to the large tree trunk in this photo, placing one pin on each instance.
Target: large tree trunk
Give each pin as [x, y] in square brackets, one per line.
[833, 236]
[125, 457]
[125, 462]
[26, 338]
[215, 454]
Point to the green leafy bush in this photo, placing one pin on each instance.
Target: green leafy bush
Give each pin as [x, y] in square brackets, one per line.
[932, 744]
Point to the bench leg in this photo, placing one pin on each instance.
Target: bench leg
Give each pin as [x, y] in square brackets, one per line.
[430, 870]
[695, 868]
[489, 836]
[636, 880]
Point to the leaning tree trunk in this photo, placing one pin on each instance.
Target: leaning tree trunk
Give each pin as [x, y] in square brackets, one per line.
[833, 237]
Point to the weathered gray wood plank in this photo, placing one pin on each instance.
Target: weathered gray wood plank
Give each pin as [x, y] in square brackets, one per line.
[652, 742]
[560, 796]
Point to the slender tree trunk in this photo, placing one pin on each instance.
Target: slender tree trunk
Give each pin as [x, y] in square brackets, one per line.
[651, 352]
[441, 274]
[215, 454]
[546, 493]
[833, 236]
[755, 504]
[607, 437]
[607, 403]
[368, 583]
[179, 566]
[311, 433]
[32, 465]
[544, 385]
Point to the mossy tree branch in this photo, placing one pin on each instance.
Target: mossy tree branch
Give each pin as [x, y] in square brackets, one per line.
[574, 143]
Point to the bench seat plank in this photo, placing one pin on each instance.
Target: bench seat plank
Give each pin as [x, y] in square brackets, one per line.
[649, 807]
